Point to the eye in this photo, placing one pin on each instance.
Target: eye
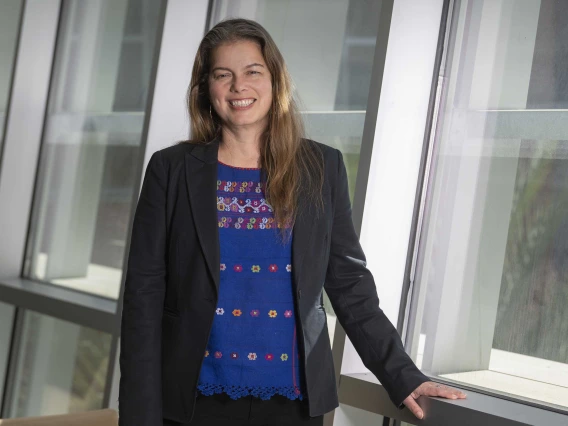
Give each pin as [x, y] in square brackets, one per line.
[253, 72]
[218, 76]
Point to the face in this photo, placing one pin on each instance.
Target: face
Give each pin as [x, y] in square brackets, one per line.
[240, 85]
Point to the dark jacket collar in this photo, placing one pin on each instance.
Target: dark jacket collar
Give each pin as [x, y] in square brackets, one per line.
[207, 151]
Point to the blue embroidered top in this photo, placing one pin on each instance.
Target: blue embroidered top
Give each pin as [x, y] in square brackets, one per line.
[252, 348]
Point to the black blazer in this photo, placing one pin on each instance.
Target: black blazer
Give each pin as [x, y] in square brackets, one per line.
[172, 285]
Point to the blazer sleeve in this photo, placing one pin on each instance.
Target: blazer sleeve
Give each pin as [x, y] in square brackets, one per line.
[351, 289]
[140, 389]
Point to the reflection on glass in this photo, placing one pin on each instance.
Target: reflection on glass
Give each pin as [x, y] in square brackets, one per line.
[61, 368]
[10, 12]
[91, 145]
[6, 323]
[329, 53]
[489, 305]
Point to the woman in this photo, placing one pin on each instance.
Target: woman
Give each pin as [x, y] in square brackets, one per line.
[236, 234]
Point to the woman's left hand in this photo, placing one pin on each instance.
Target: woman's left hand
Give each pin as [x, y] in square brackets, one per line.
[430, 389]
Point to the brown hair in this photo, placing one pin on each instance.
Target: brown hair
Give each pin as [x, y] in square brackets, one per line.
[289, 162]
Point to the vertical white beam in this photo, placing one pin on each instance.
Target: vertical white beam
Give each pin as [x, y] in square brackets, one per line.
[24, 129]
[397, 150]
[184, 27]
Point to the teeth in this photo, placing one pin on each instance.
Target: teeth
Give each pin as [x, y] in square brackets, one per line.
[242, 103]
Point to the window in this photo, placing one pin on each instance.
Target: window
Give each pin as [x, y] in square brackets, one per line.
[10, 13]
[91, 144]
[490, 290]
[61, 368]
[6, 323]
[329, 53]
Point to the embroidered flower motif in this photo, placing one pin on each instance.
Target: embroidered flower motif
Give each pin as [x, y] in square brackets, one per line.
[269, 357]
[284, 357]
[288, 268]
[255, 268]
[273, 268]
[221, 207]
[220, 311]
[237, 312]
[223, 266]
[218, 355]
[288, 314]
[238, 268]
[252, 220]
[254, 313]
[272, 314]
[237, 226]
[206, 354]
[252, 356]
[234, 355]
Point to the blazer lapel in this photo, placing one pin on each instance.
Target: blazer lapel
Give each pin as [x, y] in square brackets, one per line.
[201, 177]
[301, 236]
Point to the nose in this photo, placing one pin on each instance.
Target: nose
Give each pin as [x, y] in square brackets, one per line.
[237, 84]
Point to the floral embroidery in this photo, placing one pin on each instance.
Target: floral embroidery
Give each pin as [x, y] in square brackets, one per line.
[240, 205]
[269, 357]
[206, 354]
[218, 354]
[273, 268]
[247, 223]
[252, 356]
[238, 268]
[288, 314]
[288, 268]
[254, 313]
[237, 312]
[223, 266]
[228, 186]
[234, 355]
[255, 268]
[284, 357]
[272, 314]
[220, 311]
[225, 222]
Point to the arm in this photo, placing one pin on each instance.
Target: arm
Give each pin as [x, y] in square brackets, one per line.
[351, 289]
[140, 392]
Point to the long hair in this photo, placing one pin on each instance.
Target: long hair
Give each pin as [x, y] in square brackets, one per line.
[291, 164]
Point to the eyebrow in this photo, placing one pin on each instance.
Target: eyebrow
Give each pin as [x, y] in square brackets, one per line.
[228, 69]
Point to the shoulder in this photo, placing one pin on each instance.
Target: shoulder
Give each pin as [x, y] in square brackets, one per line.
[175, 153]
[331, 157]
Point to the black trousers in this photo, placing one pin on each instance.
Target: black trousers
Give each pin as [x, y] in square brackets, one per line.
[220, 410]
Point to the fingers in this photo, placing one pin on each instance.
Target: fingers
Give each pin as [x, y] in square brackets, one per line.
[442, 391]
[413, 406]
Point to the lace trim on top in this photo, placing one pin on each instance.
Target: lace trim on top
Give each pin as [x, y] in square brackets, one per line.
[264, 393]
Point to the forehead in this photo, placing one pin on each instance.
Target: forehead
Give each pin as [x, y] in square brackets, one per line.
[236, 54]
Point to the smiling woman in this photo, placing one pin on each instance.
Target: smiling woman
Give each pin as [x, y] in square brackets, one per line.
[236, 234]
[240, 87]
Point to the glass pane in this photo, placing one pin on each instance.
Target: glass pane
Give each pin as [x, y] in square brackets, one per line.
[489, 306]
[6, 324]
[329, 53]
[91, 146]
[61, 367]
[10, 13]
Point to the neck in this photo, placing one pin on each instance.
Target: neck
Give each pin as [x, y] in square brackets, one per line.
[240, 149]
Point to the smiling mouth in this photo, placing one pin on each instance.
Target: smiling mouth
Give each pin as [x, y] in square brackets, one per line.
[242, 103]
